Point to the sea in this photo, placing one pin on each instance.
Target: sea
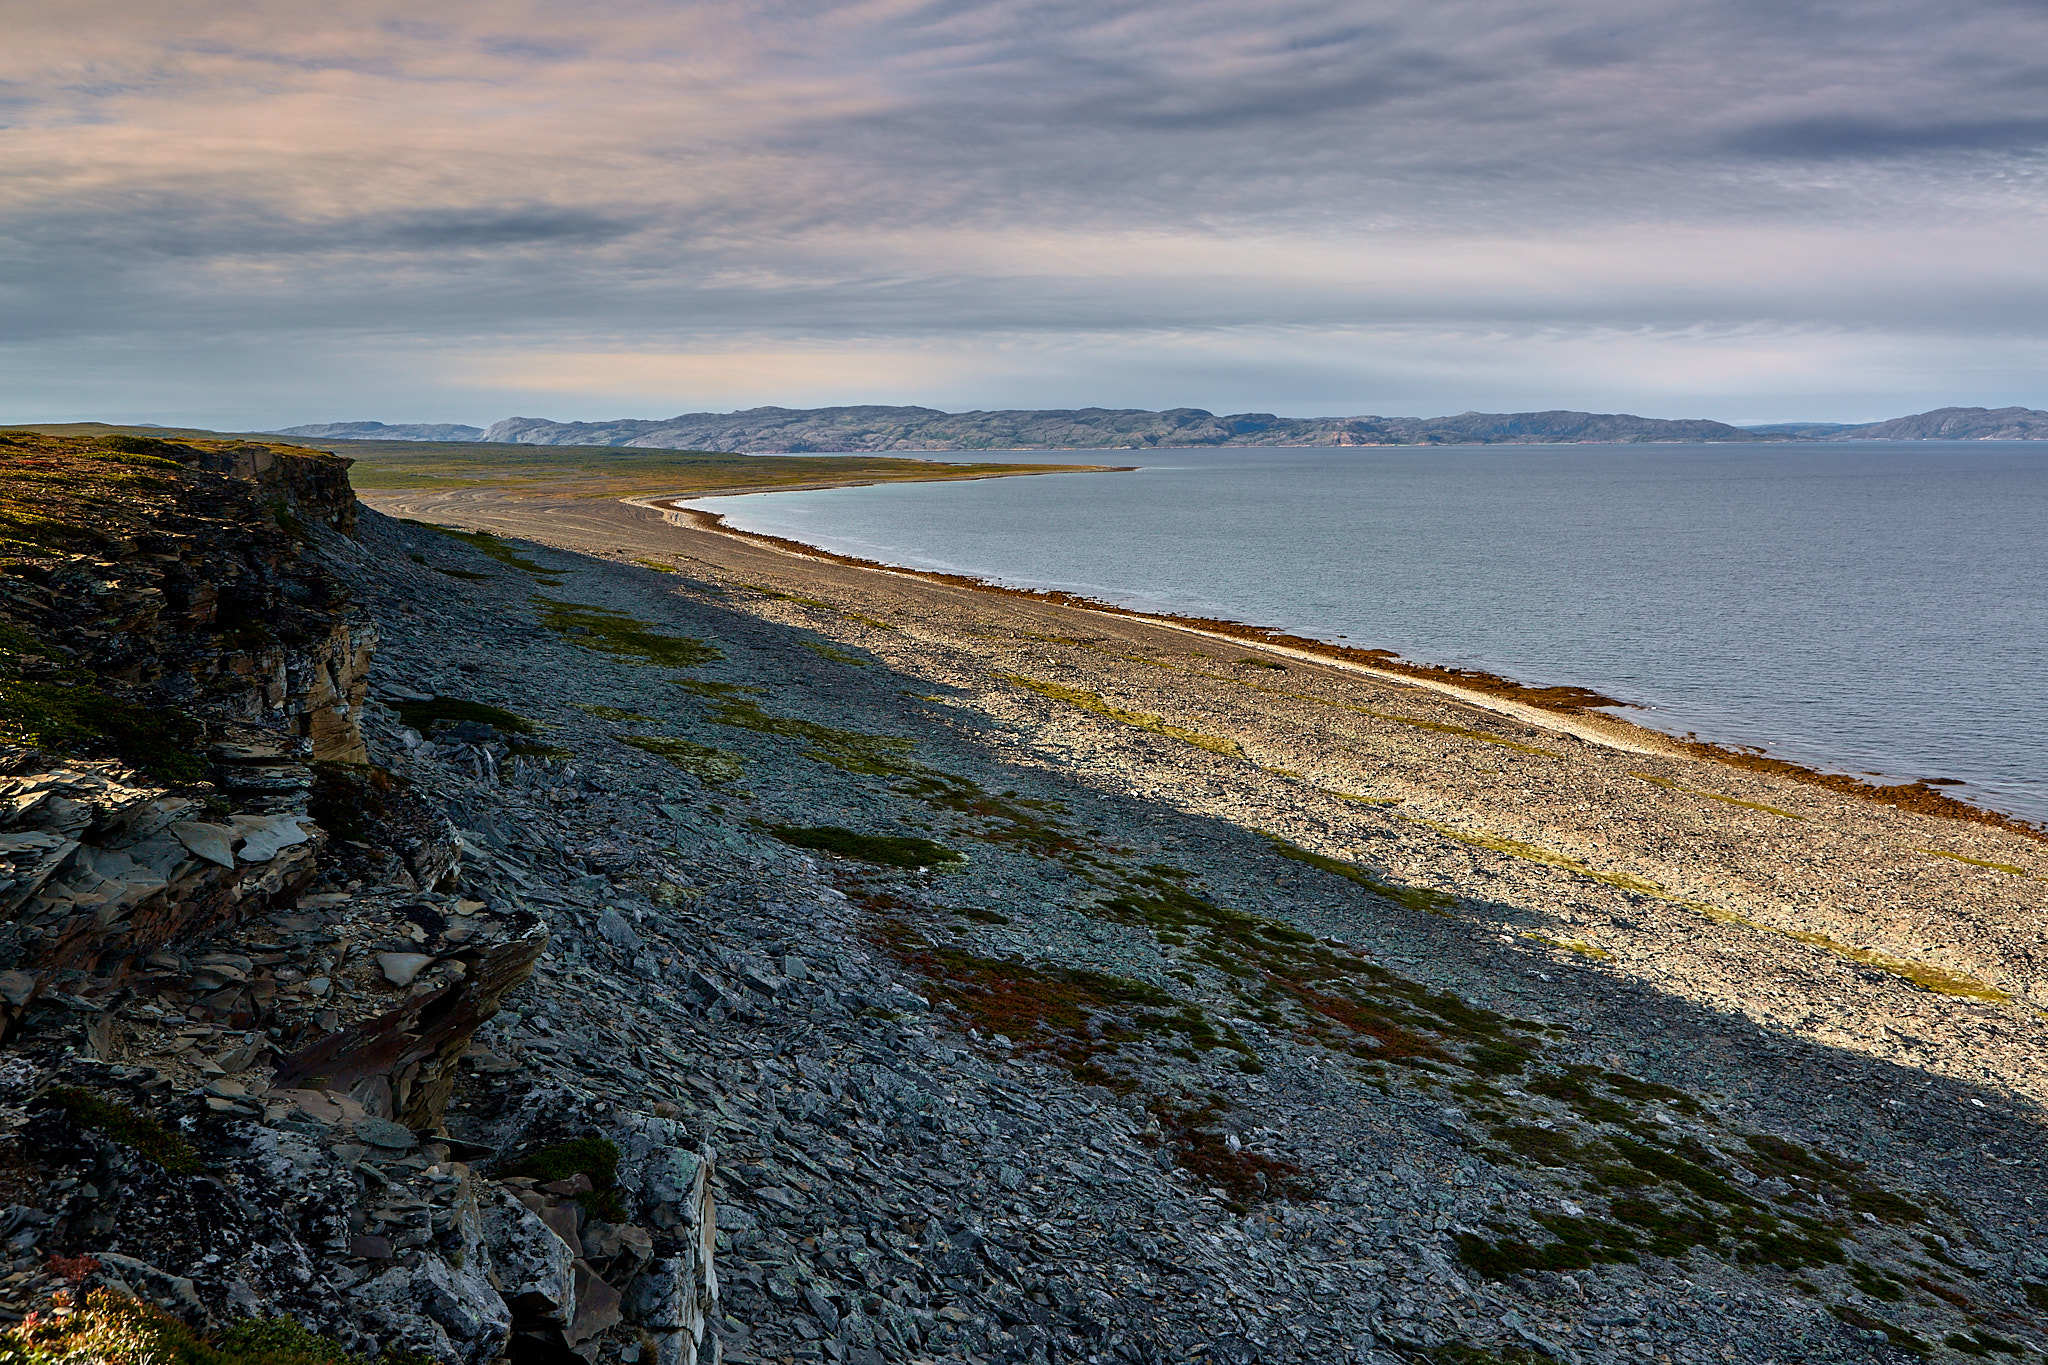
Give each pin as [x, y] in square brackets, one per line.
[1869, 607]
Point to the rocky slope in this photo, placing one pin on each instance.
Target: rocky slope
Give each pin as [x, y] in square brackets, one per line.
[1027, 987]
[1219, 1010]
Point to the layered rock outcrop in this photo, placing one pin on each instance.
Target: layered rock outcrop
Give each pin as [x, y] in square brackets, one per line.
[240, 971]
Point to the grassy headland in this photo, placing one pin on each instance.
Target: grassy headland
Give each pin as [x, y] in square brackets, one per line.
[601, 471]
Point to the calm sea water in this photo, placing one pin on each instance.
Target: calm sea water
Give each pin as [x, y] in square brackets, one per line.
[1870, 607]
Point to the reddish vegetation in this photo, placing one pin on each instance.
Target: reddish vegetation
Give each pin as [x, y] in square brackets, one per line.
[74, 1269]
[1074, 1015]
[1921, 798]
[1390, 1041]
[1918, 797]
[1245, 1177]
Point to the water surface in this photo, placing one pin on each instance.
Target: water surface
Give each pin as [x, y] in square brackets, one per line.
[1871, 606]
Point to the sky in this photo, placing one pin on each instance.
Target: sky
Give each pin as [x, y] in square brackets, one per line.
[253, 213]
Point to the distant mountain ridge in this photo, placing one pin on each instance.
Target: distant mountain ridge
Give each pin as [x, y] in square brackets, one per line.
[1955, 424]
[870, 427]
[382, 431]
[874, 428]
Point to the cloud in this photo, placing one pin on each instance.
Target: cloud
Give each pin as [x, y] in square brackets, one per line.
[1846, 135]
[958, 197]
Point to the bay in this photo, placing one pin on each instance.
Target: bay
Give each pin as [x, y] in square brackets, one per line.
[1872, 607]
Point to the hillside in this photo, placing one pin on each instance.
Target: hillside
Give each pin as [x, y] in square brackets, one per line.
[1954, 424]
[385, 431]
[872, 428]
[911, 428]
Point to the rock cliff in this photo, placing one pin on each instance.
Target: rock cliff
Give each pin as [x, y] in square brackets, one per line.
[241, 967]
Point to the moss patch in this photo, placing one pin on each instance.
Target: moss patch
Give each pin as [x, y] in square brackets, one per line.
[495, 548]
[853, 751]
[1413, 897]
[108, 1328]
[885, 850]
[702, 760]
[595, 1158]
[835, 653]
[137, 1131]
[66, 713]
[1158, 725]
[622, 636]
[2008, 868]
[1722, 797]
[423, 716]
[1242, 1176]
[618, 713]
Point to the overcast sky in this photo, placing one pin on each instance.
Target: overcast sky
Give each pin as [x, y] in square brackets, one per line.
[260, 212]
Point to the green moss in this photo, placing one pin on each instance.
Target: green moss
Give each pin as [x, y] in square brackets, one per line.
[1412, 897]
[282, 1341]
[1464, 1353]
[137, 1131]
[1089, 701]
[2008, 868]
[1511, 1255]
[1876, 1283]
[149, 448]
[1546, 1146]
[704, 761]
[1898, 1336]
[73, 716]
[1981, 1343]
[594, 1157]
[835, 654]
[621, 636]
[423, 716]
[884, 850]
[110, 1328]
[2037, 1294]
[705, 687]
[1723, 798]
[1535, 853]
[853, 751]
[619, 713]
[497, 549]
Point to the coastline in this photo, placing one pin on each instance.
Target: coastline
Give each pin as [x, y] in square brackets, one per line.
[1570, 709]
[1202, 824]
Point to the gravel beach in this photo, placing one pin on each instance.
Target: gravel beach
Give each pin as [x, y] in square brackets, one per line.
[1287, 1011]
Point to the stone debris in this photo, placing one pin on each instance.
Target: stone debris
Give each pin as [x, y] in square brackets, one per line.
[553, 1044]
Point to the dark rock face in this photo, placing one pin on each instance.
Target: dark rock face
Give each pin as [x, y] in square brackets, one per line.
[240, 970]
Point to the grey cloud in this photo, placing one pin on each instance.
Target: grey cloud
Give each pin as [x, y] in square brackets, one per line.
[1347, 124]
[464, 229]
[1829, 136]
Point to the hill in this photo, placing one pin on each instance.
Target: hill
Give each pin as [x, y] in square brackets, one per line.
[871, 428]
[1954, 424]
[385, 431]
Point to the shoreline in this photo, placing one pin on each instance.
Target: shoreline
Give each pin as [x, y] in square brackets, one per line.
[1571, 709]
